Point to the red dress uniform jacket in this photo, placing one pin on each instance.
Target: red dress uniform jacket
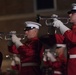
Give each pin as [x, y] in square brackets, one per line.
[71, 47]
[30, 56]
[59, 66]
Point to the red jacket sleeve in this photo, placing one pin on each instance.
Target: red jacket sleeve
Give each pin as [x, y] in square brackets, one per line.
[59, 38]
[71, 36]
[13, 49]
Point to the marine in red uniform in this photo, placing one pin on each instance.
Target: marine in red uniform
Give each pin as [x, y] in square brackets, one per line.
[31, 51]
[50, 40]
[70, 37]
[56, 62]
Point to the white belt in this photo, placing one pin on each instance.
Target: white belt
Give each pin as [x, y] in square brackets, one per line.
[29, 64]
[57, 72]
[72, 56]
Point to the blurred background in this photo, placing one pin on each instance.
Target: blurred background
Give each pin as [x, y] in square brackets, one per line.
[13, 14]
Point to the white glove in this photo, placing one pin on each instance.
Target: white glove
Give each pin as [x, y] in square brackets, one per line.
[44, 57]
[16, 40]
[13, 63]
[57, 23]
[17, 59]
[51, 56]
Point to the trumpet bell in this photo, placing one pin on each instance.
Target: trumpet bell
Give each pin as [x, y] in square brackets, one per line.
[7, 36]
[22, 36]
[49, 20]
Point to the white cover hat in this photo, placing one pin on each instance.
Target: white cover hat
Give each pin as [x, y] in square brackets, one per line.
[32, 24]
[73, 10]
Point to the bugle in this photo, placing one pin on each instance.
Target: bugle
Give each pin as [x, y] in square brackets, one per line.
[7, 36]
[49, 20]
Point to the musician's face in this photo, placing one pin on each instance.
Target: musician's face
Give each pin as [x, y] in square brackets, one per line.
[31, 33]
[72, 18]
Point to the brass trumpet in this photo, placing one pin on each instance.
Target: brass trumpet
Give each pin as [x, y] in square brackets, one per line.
[7, 36]
[49, 20]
